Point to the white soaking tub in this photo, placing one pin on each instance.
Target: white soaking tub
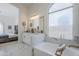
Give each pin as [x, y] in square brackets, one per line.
[45, 49]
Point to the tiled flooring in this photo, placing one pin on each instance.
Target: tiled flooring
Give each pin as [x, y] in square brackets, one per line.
[14, 49]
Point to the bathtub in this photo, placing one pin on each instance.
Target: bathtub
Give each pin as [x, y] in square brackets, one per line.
[45, 49]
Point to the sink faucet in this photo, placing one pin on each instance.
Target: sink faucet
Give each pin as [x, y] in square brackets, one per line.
[61, 36]
[76, 38]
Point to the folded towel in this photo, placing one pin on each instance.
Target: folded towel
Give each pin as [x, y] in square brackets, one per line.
[60, 49]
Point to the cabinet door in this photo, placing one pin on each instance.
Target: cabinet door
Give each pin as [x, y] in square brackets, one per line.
[40, 53]
[27, 38]
[25, 50]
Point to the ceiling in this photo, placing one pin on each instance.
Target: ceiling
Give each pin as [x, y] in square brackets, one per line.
[12, 11]
[27, 4]
[8, 10]
[22, 4]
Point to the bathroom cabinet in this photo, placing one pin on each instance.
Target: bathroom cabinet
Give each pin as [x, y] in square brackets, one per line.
[33, 39]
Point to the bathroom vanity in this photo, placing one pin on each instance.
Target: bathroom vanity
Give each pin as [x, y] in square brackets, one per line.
[33, 39]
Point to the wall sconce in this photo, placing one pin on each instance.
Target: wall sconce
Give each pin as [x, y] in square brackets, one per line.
[24, 25]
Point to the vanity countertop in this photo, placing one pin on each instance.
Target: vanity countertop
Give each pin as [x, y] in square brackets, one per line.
[71, 51]
[48, 48]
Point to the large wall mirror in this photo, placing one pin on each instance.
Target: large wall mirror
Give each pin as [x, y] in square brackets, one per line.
[36, 23]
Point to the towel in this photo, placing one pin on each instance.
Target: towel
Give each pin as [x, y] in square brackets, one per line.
[60, 49]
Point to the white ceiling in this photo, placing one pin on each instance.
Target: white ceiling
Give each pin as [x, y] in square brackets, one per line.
[12, 11]
[27, 4]
[30, 4]
[8, 10]
[22, 4]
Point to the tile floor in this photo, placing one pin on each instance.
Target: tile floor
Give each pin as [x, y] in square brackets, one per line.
[15, 49]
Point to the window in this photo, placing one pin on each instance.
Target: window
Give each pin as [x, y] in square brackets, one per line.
[61, 21]
[1, 28]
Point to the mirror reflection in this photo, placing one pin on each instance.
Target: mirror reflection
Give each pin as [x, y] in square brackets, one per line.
[36, 24]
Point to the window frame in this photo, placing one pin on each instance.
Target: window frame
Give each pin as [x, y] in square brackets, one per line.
[2, 27]
[55, 12]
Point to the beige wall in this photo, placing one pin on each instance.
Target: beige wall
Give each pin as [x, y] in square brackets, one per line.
[23, 17]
